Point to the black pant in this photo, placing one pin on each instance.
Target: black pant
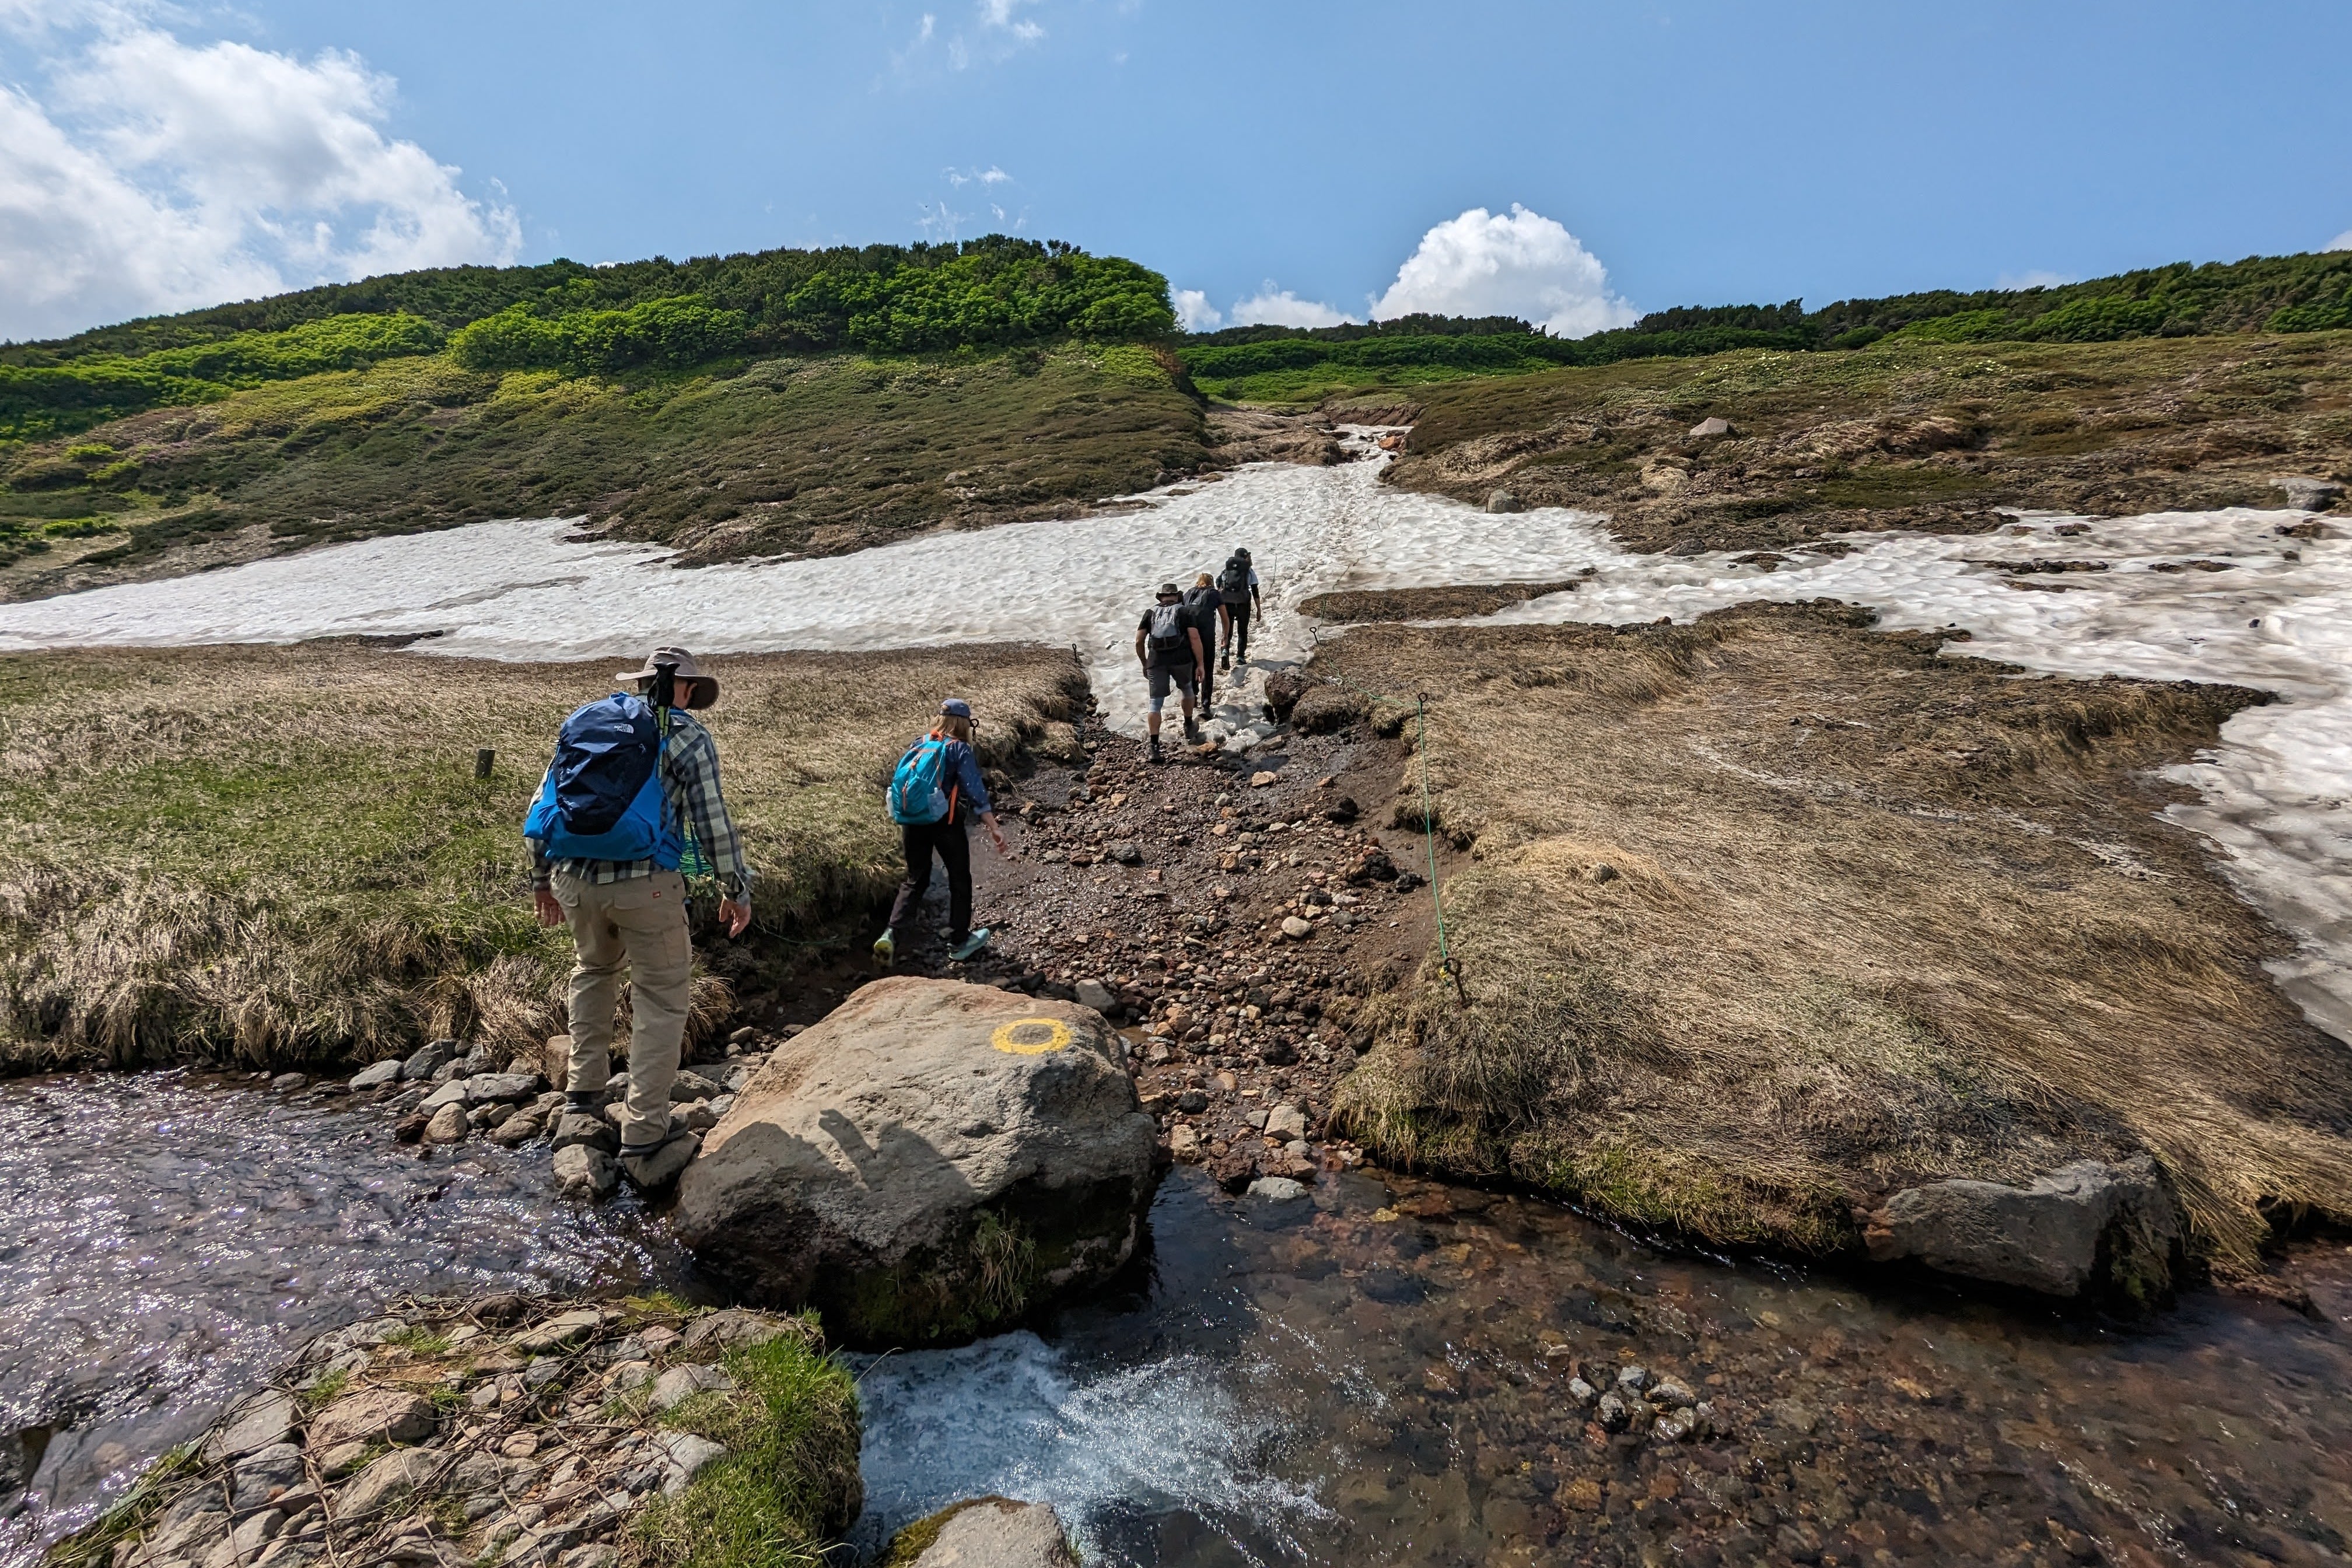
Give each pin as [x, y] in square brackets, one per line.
[953, 845]
[1237, 635]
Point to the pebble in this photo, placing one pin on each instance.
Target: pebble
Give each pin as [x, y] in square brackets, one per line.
[447, 1125]
[1276, 1189]
[583, 1172]
[376, 1075]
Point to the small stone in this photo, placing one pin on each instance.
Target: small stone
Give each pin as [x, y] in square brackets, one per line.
[374, 1415]
[1502, 501]
[1636, 1378]
[1286, 1122]
[1603, 872]
[689, 1455]
[377, 1075]
[263, 1422]
[342, 1459]
[1614, 1414]
[696, 1115]
[743, 1036]
[582, 1171]
[729, 1329]
[1127, 854]
[447, 1125]
[559, 1330]
[1675, 1427]
[1582, 1392]
[286, 1082]
[1261, 780]
[428, 1060]
[1673, 1393]
[451, 1093]
[521, 1445]
[1276, 1189]
[1710, 429]
[399, 1472]
[1193, 1101]
[483, 1088]
[1296, 930]
[521, 1128]
[591, 1131]
[1184, 1142]
[276, 1469]
[683, 1383]
[1096, 994]
[694, 1086]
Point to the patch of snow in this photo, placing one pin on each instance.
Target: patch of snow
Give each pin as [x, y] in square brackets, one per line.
[2274, 794]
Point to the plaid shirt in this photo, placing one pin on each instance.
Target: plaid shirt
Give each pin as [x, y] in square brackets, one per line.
[690, 769]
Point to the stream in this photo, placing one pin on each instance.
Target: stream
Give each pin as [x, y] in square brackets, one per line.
[1376, 1375]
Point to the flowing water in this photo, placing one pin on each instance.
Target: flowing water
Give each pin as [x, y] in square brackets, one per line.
[1377, 1376]
[165, 1241]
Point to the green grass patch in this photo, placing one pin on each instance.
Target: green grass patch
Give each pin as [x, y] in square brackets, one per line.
[790, 1479]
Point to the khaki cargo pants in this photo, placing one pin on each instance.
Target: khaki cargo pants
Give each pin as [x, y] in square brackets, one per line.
[639, 925]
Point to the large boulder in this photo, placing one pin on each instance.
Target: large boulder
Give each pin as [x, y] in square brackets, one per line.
[2087, 1228]
[925, 1164]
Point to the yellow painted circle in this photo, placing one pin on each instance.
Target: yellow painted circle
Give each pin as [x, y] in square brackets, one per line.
[1009, 1037]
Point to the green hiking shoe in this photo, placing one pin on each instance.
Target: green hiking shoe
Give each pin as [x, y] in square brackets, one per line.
[886, 949]
[970, 945]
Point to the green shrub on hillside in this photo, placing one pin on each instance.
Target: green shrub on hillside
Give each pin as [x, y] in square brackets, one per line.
[665, 333]
[38, 400]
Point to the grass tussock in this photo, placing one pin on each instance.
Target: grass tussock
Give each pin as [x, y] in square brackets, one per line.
[790, 1480]
[280, 857]
[1769, 915]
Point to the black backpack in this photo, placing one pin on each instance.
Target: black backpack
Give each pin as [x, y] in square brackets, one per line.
[1233, 584]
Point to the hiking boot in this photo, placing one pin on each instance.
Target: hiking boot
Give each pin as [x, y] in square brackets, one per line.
[885, 950]
[1155, 750]
[657, 1164]
[970, 945]
[1192, 729]
[585, 1102]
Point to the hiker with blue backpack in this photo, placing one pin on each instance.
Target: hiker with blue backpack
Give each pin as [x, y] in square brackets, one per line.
[935, 792]
[631, 807]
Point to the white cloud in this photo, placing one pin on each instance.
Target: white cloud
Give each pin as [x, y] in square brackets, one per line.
[2342, 241]
[992, 176]
[1194, 313]
[1004, 16]
[2032, 278]
[1523, 265]
[147, 175]
[1270, 307]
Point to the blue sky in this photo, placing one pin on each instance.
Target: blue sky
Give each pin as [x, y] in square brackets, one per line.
[1701, 152]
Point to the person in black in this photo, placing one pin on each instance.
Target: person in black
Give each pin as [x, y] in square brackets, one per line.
[1207, 607]
[950, 838]
[1168, 645]
[1237, 586]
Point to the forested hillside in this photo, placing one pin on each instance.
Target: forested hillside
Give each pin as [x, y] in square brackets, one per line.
[787, 401]
[2273, 294]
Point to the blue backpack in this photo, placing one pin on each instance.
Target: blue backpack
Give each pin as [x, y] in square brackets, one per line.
[603, 798]
[916, 796]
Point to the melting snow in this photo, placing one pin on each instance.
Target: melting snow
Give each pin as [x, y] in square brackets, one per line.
[2274, 794]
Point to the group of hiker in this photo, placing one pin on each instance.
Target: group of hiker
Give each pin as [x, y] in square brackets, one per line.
[1177, 640]
[630, 808]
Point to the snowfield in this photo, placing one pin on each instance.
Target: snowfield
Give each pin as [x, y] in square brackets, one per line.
[2276, 795]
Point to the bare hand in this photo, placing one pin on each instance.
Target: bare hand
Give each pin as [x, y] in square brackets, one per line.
[551, 913]
[735, 915]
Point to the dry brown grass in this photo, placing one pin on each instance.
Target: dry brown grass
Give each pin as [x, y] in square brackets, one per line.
[281, 855]
[1869, 917]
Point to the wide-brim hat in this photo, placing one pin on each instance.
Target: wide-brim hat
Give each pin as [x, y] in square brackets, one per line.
[1171, 591]
[702, 689]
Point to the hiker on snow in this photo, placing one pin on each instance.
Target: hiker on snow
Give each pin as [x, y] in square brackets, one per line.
[1206, 607]
[1237, 587]
[1169, 644]
[629, 807]
[934, 794]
